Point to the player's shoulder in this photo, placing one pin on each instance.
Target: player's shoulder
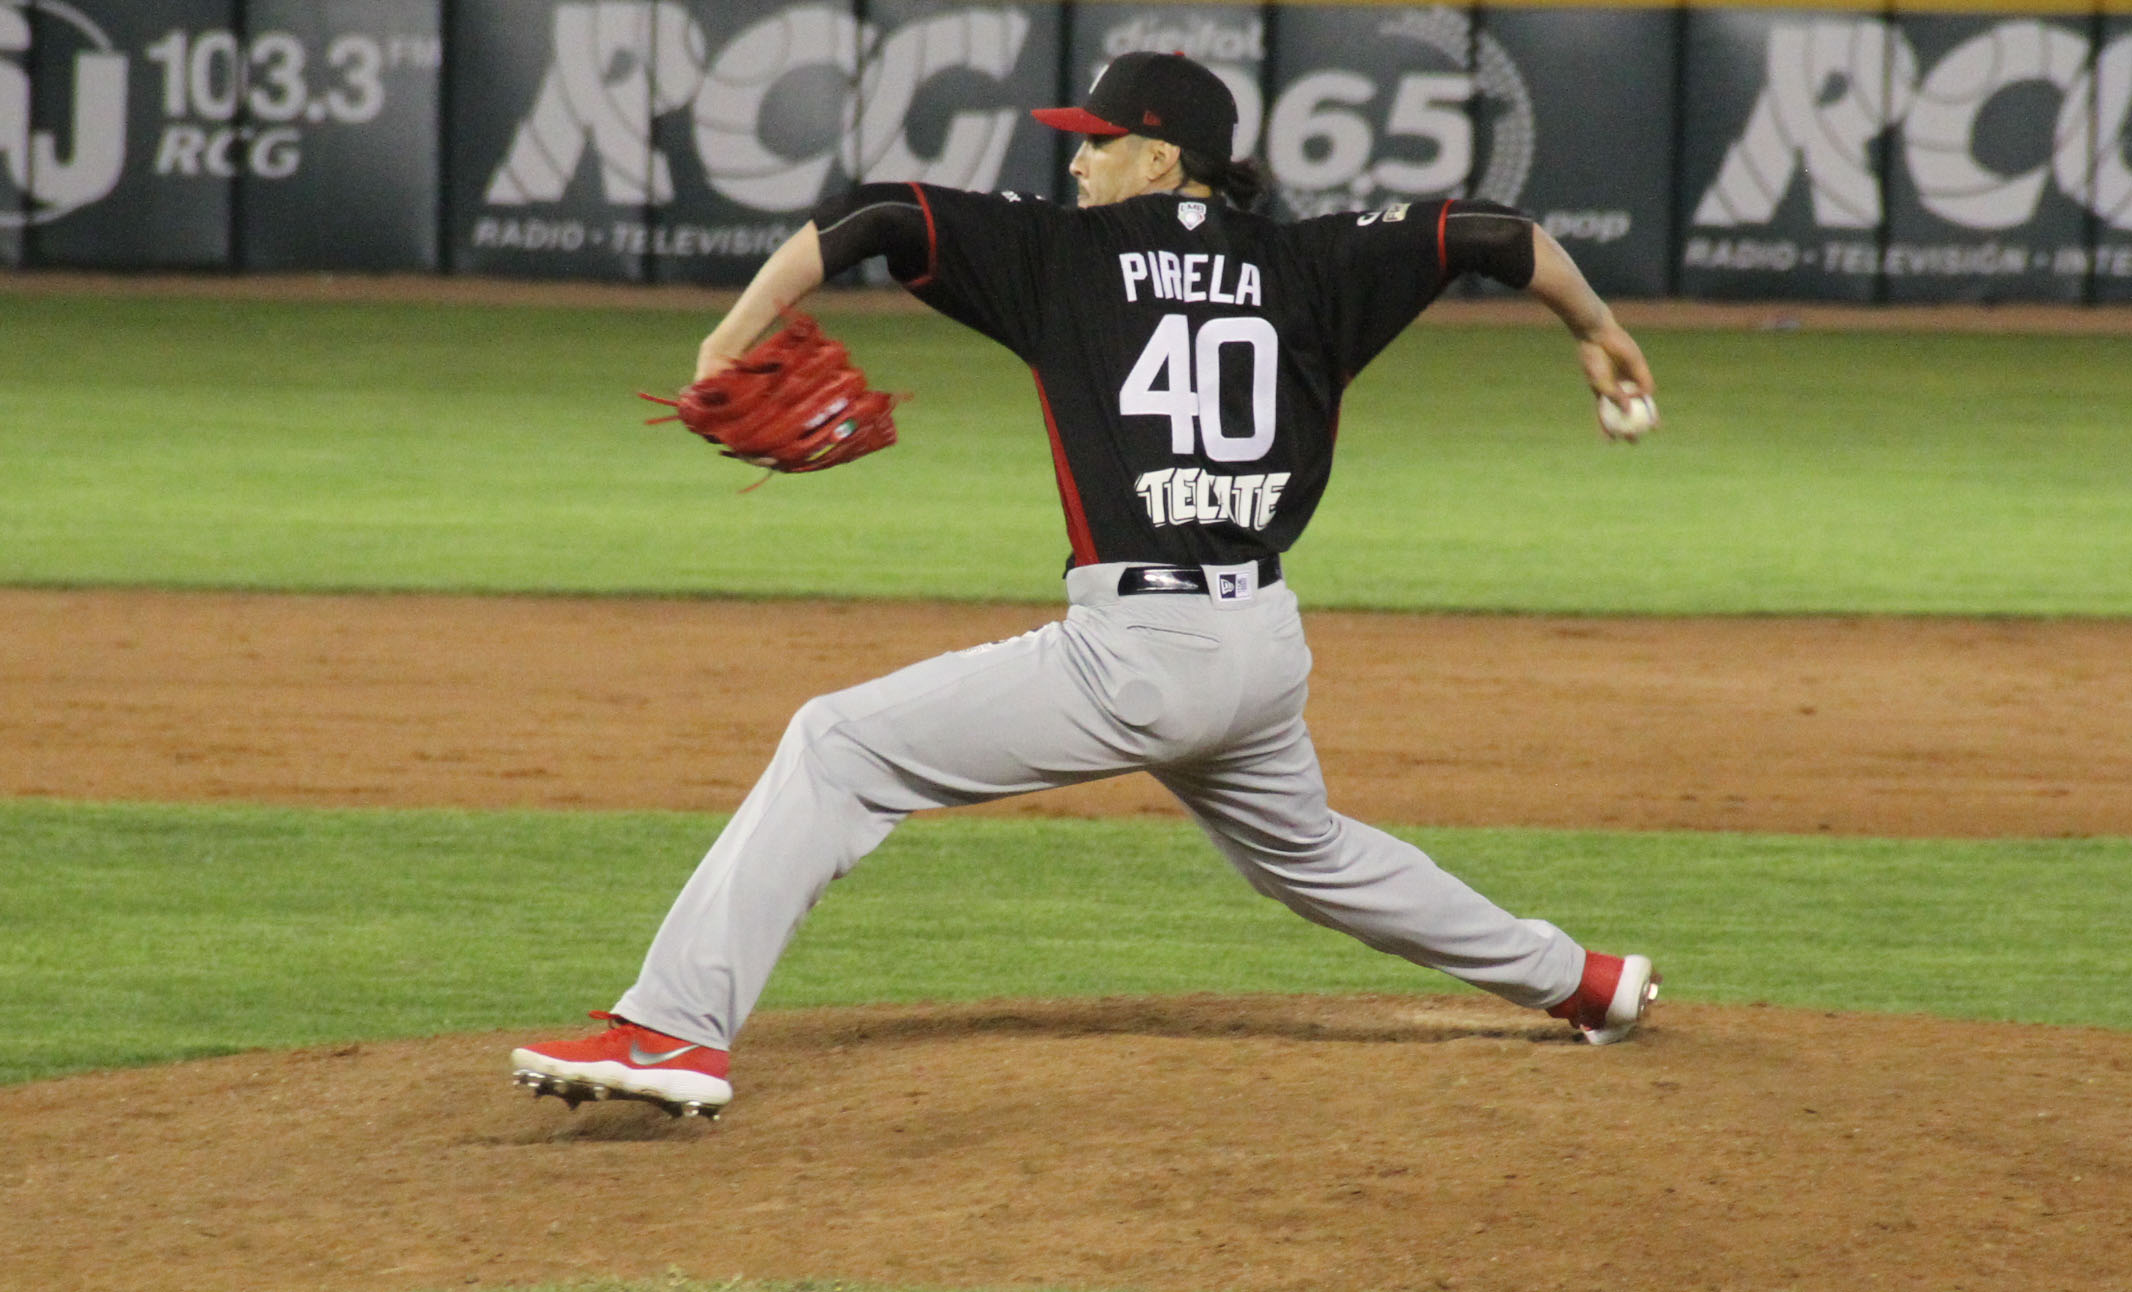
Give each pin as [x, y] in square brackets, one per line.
[1001, 212]
[1004, 199]
[1415, 217]
[1396, 233]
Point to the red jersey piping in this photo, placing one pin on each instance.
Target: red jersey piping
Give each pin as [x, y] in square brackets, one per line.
[932, 241]
[1084, 546]
[1443, 255]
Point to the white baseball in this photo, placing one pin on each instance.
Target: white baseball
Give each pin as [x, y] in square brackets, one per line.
[1631, 418]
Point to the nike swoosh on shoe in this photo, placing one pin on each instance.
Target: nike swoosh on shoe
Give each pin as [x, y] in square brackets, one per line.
[643, 1059]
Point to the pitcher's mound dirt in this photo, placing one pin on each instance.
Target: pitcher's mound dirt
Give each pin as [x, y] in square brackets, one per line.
[1197, 1145]
[1306, 1144]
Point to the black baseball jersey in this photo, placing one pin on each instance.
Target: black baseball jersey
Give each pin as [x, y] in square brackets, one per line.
[1190, 357]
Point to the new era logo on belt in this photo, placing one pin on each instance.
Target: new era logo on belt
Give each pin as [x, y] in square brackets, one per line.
[1232, 585]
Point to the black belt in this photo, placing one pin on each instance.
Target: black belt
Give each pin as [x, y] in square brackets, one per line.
[1136, 580]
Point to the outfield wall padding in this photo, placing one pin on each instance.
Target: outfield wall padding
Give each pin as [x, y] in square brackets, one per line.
[1915, 151]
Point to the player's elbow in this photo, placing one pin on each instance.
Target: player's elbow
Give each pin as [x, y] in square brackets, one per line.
[871, 220]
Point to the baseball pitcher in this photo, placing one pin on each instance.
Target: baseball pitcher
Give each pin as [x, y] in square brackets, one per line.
[1189, 359]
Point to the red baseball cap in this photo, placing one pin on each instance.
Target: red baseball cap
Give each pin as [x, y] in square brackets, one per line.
[1162, 96]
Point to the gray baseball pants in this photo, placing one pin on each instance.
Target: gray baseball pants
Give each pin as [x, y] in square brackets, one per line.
[1205, 695]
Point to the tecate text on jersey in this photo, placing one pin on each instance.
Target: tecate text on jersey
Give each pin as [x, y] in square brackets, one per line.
[1189, 495]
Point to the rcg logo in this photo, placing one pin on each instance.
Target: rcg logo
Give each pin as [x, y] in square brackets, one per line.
[1836, 85]
[72, 47]
[240, 103]
[1328, 156]
[621, 63]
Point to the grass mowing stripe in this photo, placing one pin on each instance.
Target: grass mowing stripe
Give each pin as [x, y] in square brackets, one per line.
[145, 933]
[308, 445]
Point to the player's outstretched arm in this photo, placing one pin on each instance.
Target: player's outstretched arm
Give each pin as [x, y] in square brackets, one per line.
[792, 272]
[1614, 365]
[875, 219]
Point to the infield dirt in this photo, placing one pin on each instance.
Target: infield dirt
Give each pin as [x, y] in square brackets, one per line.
[1195, 1144]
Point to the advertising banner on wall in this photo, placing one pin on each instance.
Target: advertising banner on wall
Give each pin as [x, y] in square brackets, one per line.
[1991, 159]
[945, 96]
[915, 90]
[15, 68]
[1369, 106]
[683, 142]
[127, 154]
[341, 164]
[1549, 110]
[550, 153]
[205, 133]
[1601, 181]
[1916, 153]
[16, 135]
[1921, 158]
[751, 131]
[2111, 267]
[1782, 155]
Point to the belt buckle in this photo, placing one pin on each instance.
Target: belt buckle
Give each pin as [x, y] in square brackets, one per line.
[1161, 578]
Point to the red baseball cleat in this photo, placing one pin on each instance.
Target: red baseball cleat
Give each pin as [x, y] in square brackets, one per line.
[1615, 994]
[628, 1062]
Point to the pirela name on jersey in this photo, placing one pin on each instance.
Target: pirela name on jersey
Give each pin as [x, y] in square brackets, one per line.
[1193, 276]
[1196, 496]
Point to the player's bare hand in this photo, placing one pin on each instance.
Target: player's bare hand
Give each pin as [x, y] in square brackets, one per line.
[1613, 363]
[709, 362]
[1620, 377]
[1611, 358]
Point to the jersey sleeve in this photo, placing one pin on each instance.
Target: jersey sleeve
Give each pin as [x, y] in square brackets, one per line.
[1386, 267]
[985, 262]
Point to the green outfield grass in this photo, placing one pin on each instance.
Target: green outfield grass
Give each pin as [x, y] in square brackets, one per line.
[141, 934]
[290, 445]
